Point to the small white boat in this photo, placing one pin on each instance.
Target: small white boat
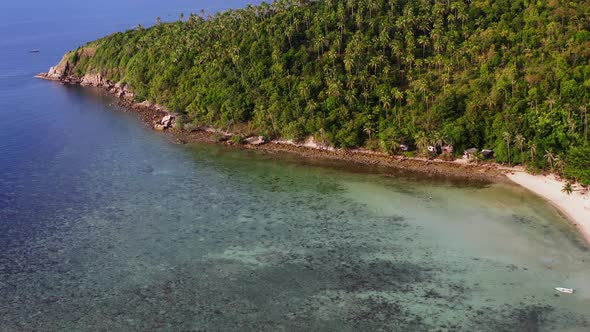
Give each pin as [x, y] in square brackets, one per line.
[565, 290]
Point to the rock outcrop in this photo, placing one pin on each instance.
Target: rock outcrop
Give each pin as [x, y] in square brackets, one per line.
[59, 72]
[92, 80]
[165, 123]
[255, 140]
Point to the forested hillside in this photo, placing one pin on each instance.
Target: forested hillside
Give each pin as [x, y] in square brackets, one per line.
[511, 75]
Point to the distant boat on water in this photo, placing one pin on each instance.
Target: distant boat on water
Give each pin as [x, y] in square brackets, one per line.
[34, 51]
[565, 290]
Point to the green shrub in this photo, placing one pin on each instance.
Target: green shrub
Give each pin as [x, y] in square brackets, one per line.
[578, 164]
[219, 137]
[237, 139]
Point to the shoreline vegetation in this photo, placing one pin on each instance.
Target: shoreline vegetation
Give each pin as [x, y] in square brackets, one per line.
[373, 82]
[161, 119]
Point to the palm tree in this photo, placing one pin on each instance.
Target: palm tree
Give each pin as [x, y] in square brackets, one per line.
[533, 148]
[519, 142]
[551, 103]
[368, 129]
[437, 139]
[507, 137]
[398, 96]
[421, 141]
[348, 64]
[550, 156]
[423, 41]
[311, 107]
[386, 102]
[584, 114]
[567, 188]
[391, 145]
[559, 165]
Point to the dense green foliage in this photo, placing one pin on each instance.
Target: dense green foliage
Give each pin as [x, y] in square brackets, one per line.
[511, 75]
[578, 165]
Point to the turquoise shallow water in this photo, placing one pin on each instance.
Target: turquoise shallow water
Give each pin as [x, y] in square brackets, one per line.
[107, 225]
[133, 232]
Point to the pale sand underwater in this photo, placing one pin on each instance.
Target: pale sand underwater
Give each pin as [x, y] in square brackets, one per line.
[576, 206]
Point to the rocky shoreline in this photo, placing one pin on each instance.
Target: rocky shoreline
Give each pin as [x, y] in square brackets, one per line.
[161, 119]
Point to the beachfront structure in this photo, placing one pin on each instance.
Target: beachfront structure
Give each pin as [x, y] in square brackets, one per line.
[468, 154]
[448, 149]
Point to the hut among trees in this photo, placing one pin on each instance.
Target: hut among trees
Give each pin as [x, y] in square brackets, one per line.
[487, 154]
[468, 154]
[448, 149]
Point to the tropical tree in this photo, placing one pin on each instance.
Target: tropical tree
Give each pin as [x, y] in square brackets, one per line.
[519, 143]
[533, 150]
[304, 67]
[550, 157]
[368, 129]
[422, 141]
[559, 163]
[584, 114]
[567, 188]
[507, 138]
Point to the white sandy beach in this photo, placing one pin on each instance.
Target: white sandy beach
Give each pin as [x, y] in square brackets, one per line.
[576, 206]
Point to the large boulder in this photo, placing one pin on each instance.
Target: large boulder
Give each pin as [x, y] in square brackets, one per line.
[164, 123]
[167, 120]
[255, 140]
[146, 104]
[55, 73]
[92, 80]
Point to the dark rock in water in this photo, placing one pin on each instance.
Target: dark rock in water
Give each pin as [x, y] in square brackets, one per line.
[148, 169]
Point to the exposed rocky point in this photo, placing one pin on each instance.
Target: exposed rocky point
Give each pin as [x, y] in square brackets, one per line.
[166, 122]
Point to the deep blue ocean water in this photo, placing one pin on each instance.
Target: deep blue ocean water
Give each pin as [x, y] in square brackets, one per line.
[108, 225]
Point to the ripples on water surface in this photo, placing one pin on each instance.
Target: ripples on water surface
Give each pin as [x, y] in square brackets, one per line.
[106, 225]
